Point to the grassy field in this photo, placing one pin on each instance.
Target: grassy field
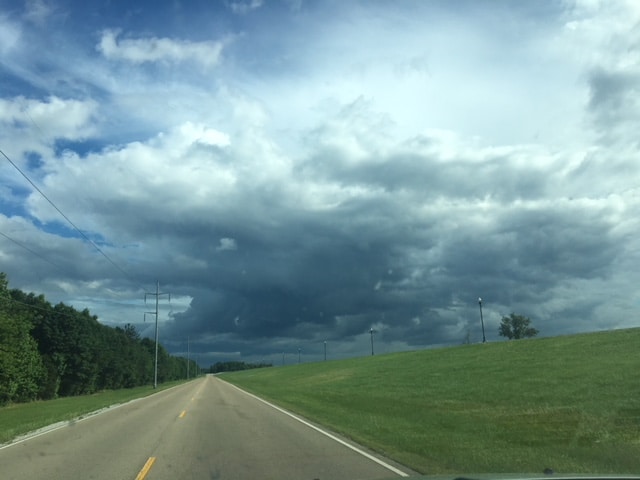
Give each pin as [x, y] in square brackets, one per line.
[22, 418]
[569, 403]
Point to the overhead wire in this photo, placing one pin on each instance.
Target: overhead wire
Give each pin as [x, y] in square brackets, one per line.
[42, 257]
[82, 234]
[48, 310]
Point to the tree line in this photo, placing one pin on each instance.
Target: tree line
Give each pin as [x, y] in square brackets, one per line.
[235, 366]
[49, 351]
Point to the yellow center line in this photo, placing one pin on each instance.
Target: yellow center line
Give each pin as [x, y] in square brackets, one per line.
[146, 468]
[184, 412]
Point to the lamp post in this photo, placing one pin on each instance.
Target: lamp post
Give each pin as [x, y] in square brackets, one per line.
[484, 339]
[371, 332]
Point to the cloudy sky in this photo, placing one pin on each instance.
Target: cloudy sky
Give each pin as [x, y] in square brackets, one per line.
[295, 172]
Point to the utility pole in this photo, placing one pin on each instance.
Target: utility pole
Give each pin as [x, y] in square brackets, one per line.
[157, 295]
[187, 358]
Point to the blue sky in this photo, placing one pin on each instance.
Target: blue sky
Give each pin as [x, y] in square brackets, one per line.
[295, 172]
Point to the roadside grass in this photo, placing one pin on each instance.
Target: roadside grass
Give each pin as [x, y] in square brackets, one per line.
[21, 418]
[569, 403]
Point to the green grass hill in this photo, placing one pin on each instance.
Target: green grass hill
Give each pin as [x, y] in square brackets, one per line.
[571, 403]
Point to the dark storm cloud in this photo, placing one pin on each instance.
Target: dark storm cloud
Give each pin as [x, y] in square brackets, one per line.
[409, 254]
[301, 272]
[614, 101]
[376, 262]
[613, 81]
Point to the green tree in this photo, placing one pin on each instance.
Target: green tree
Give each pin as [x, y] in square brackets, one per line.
[40, 312]
[21, 368]
[49, 351]
[80, 348]
[516, 327]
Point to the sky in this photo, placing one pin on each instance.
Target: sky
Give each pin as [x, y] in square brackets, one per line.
[300, 172]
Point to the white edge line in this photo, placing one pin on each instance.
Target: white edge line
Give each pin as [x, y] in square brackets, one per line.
[325, 433]
[66, 423]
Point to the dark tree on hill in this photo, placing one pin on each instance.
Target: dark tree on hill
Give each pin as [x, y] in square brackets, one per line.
[516, 327]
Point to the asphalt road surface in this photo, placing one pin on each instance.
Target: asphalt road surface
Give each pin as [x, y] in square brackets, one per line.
[204, 429]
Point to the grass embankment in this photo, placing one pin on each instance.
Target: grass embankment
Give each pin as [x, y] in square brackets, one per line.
[570, 403]
[21, 418]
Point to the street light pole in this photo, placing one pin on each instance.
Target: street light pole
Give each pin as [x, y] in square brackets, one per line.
[371, 332]
[484, 339]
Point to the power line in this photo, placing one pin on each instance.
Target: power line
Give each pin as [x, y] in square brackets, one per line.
[45, 259]
[48, 310]
[115, 265]
[41, 257]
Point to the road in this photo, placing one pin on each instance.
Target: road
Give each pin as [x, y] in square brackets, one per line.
[204, 429]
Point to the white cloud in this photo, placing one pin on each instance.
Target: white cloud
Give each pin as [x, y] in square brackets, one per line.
[244, 7]
[227, 244]
[188, 167]
[29, 125]
[207, 136]
[10, 34]
[52, 118]
[37, 11]
[156, 49]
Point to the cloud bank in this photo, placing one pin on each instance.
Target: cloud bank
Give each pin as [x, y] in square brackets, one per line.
[334, 168]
